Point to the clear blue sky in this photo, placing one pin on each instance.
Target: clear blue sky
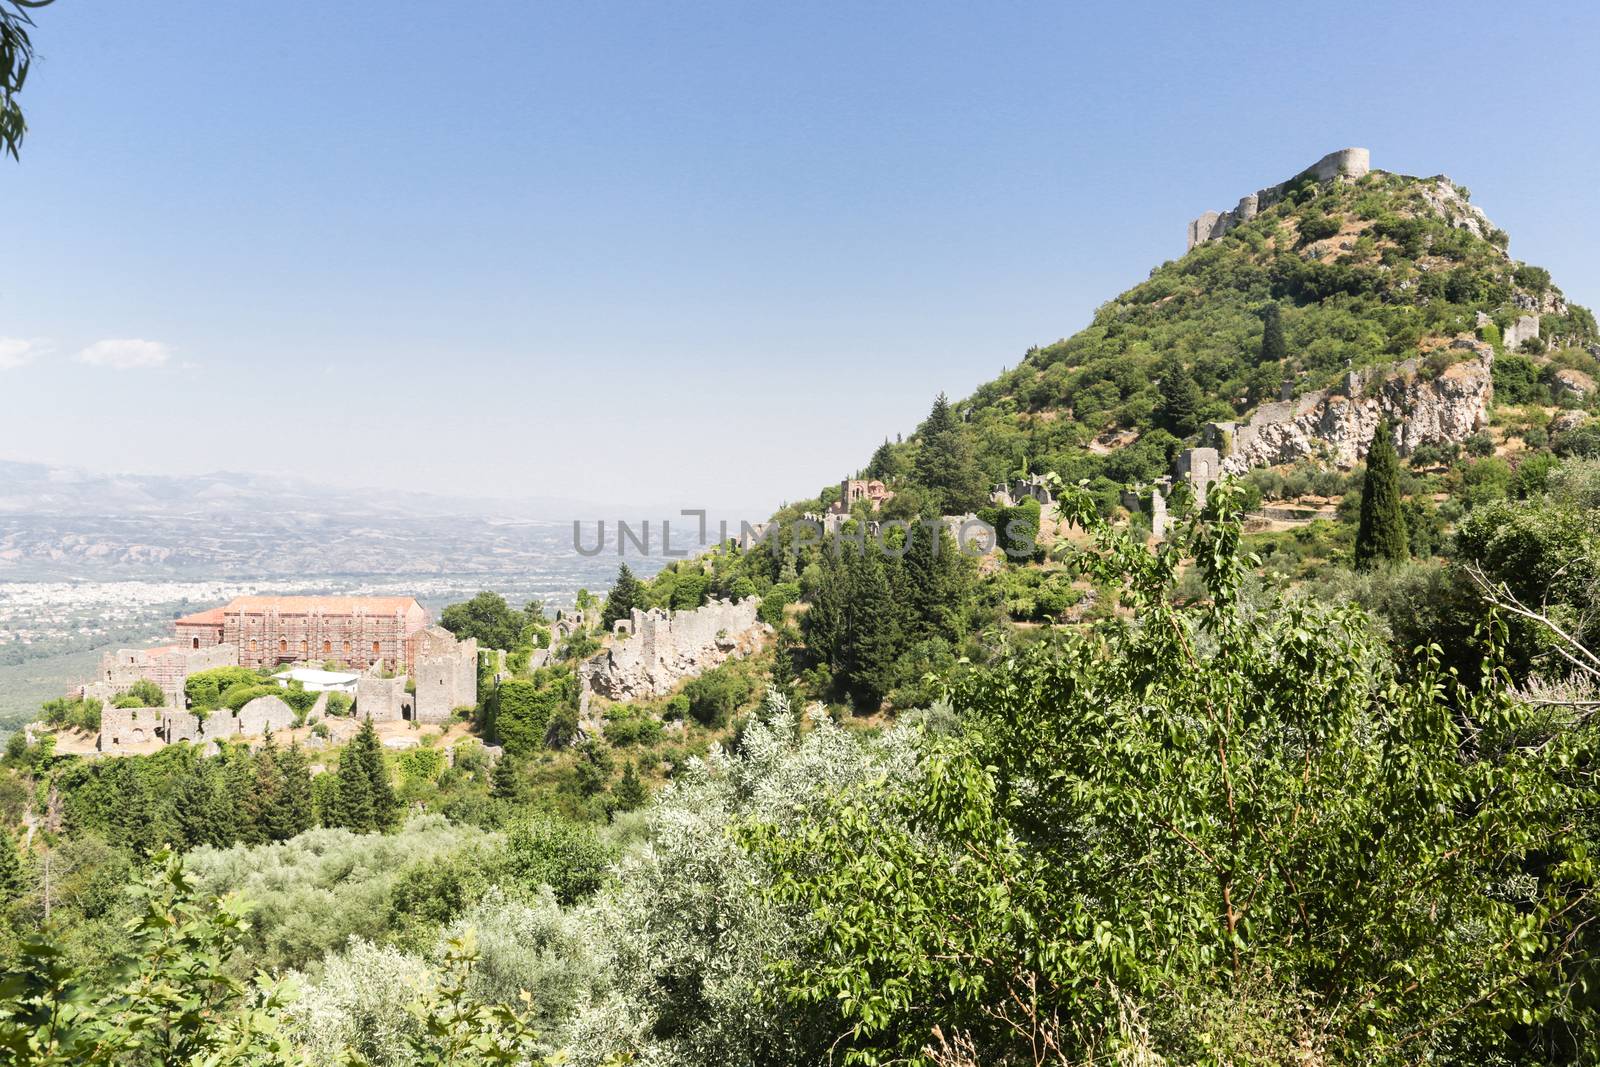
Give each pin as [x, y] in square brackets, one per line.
[687, 253]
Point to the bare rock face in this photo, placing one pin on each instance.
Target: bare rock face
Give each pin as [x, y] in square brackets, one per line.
[1445, 200]
[1574, 384]
[1567, 420]
[1339, 426]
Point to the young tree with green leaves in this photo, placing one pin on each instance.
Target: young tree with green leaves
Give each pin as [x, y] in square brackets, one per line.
[1381, 536]
[629, 793]
[1234, 833]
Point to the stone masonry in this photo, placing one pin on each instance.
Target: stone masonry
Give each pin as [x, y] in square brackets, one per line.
[1346, 163]
[267, 630]
[446, 674]
[168, 667]
[666, 647]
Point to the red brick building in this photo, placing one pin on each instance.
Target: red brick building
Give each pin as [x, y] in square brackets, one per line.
[357, 631]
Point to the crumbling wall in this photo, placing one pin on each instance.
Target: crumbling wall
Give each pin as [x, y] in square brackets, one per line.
[446, 674]
[381, 699]
[168, 667]
[263, 714]
[1345, 163]
[667, 647]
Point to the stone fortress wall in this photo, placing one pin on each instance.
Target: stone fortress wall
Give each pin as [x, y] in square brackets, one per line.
[445, 672]
[1349, 163]
[654, 650]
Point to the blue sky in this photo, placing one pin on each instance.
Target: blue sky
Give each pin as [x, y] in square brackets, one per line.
[678, 253]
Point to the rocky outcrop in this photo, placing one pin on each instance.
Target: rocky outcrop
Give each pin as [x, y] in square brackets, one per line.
[657, 649]
[1339, 426]
[1446, 201]
[1573, 384]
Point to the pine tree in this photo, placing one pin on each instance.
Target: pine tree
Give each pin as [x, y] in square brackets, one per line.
[297, 807]
[824, 621]
[629, 793]
[10, 870]
[1381, 537]
[238, 787]
[1273, 347]
[885, 463]
[945, 465]
[626, 595]
[1179, 408]
[935, 582]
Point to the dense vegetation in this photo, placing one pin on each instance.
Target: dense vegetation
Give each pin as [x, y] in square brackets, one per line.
[1264, 792]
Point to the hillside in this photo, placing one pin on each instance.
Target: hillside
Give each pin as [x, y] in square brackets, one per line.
[1361, 272]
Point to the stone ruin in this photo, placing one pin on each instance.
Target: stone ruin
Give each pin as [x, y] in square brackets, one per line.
[123, 729]
[445, 672]
[1348, 163]
[665, 647]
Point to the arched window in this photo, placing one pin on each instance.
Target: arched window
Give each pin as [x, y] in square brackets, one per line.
[375, 649]
[347, 648]
[252, 644]
[283, 644]
[195, 642]
[327, 646]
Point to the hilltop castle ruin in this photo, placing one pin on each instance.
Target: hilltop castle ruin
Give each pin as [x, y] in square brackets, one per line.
[1348, 163]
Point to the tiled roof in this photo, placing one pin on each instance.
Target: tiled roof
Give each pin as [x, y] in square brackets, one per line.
[208, 617]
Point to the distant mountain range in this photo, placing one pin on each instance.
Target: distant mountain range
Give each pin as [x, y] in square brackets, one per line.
[62, 523]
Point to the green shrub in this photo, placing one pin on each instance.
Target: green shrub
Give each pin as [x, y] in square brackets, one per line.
[142, 694]
[715, 695]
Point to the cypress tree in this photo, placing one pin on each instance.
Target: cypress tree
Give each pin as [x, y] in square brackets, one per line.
[945, 465]
[353, 809]
[10, 870]
[629, 793]
[872, 637]
[1273, 347]
[1381, 537]
[625, 595]
[266, 798]
[238, 787]
[1179, 407]
[935, 583]
[507, 782]
[385, 805]
[296, 805]
[823, 622]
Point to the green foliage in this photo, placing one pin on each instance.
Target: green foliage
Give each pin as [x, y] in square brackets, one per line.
[1179, 408]
[494, 623]
[204, 689]
[366, 801]
[142, 694]
[78, 714]
[543, 850]
[339, 704]
[1232, 819]
[716, 694]
[777, 598]
[1381, 537]
[170, 1001]
[1274, 349]
[627, 725]
[629, 793]
[524, 709]
[626, 594]
[945, 466]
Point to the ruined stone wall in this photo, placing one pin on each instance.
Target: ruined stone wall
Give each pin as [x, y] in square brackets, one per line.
[197, 728]
[121, 728]
[381, 699]
[263, 714]
[168, 667]
[667, 647]
[1345, 163]
[446, 674]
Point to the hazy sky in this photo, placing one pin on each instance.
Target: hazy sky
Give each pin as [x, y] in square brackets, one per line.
[678, 252]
